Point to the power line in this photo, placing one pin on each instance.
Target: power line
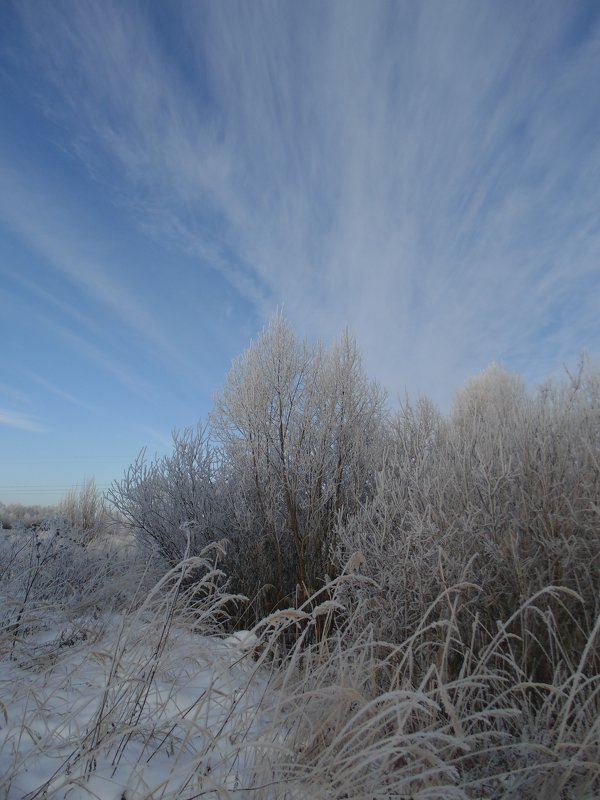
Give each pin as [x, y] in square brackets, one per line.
[52, 460]
[48, 485]
[14, 492]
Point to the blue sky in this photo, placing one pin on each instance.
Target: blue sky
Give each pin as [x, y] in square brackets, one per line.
[171, 173]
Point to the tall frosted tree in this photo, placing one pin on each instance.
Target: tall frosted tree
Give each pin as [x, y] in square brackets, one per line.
[301, 428]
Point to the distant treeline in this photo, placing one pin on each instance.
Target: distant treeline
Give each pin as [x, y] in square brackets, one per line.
[15, 515]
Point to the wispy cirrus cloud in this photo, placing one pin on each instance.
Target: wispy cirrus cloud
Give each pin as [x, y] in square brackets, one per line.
[49, 223]
[408, 170]
[13, 394]
[58, 391]
[16, 419]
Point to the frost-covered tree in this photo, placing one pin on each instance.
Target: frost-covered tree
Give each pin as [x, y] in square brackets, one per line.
[300, 427]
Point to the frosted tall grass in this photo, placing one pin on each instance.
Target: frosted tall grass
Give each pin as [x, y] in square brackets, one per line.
[153, 703]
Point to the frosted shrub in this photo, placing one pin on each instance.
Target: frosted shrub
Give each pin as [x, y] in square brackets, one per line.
[502, 494]
[54, 570]
[15, 515]
[294, 444]
[84, 509]
[171, 502]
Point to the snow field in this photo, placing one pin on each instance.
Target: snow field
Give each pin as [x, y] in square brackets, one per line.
[109, 719]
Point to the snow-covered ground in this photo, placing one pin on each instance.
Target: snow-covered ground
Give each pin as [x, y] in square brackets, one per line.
[107, 716]
[116, 685]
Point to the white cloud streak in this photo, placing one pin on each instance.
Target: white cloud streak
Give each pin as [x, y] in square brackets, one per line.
[16, 419]
[425, 173]
[44, 219]
[58, 392]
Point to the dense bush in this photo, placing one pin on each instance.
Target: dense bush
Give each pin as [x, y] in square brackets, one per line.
[503, 495]
[301, 466]
[295, 441]
[170, 503]
[16, 515]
